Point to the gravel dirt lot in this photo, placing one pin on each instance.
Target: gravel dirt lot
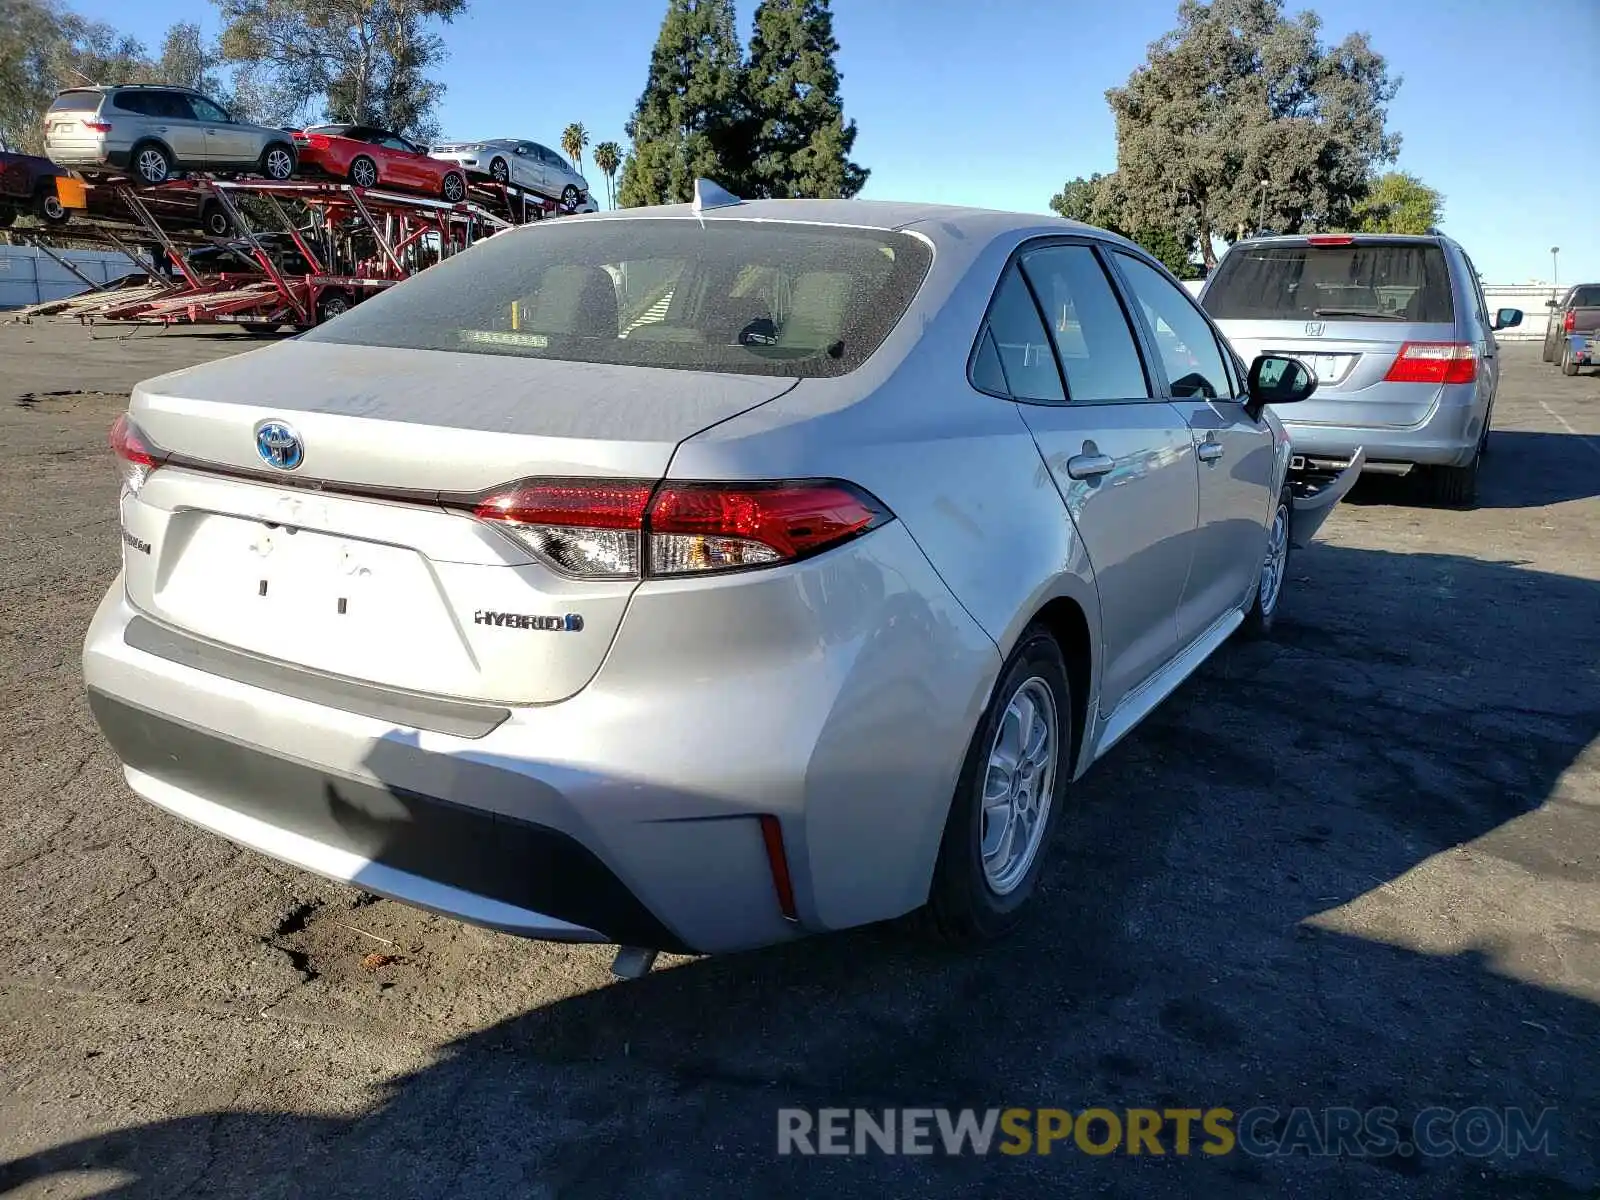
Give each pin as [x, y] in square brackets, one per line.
[1357, 866]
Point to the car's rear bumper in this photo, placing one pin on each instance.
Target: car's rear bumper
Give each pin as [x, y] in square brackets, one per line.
[1446, 436]
[836, 695]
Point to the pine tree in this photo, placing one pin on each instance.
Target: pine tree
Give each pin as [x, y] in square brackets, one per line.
[687, 123]
[795, 115]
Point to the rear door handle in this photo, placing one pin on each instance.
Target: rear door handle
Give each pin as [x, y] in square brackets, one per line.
[1209, 452]
[1090, 466]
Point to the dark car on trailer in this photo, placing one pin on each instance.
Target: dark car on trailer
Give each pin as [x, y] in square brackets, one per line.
[28, 188]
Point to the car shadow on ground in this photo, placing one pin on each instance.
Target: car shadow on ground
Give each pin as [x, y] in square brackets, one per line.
[1522, 470]
[1280, 891]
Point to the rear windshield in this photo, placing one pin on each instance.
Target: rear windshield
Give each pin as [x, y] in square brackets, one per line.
[1398, 281]
[1585, 297]
[750, 297]
[76, 102]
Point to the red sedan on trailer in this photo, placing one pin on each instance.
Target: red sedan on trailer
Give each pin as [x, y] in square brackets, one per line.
[369, 157]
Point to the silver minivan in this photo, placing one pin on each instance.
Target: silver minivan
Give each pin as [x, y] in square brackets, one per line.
[155, 131]
[1398, 333]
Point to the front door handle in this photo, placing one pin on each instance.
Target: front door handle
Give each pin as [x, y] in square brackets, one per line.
[1090, 466]
[1209, 452]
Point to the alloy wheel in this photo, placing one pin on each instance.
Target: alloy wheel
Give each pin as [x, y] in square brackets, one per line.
[1018, 785]
[279, 164]
[152, 165]
[364, 173]
[1277, 560]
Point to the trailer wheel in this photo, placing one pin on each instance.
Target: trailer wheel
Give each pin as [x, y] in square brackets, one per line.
[498, 171]
[150, 163]
[7, 216]
[259, 328]
[332, 305]
[364, 172]
[454, 188]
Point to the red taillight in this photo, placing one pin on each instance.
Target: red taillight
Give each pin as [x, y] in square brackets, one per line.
[1569, 322]
[1331, 239]
[627, 528]
[1434, 362]
[136, 454]
[318, 142]
[97, 126]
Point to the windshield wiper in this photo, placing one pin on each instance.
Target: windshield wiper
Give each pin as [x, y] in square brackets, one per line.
[1372, 313]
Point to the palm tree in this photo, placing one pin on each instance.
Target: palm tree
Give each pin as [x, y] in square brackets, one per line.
[573, 139]
[607, 159]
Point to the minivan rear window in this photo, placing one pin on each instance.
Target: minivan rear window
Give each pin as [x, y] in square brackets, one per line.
[1363, 281]
[748, 297]
[76, 102]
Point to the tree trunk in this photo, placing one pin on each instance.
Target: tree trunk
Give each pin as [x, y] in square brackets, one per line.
[1208, 256]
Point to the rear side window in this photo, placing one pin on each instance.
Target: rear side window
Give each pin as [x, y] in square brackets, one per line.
[1021, 345]
[1365, 281]
[748, 297]
[1087, 324]
[1585, 297]
[76, 102]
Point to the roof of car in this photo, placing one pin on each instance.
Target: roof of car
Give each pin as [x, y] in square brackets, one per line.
[1301, 239]
[955, 220]
[123, 87]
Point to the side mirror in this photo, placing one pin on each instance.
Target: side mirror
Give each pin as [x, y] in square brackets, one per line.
[1276, 379]
[1507, 318]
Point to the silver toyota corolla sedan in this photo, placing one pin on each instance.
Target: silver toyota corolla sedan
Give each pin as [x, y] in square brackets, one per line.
[693, 578]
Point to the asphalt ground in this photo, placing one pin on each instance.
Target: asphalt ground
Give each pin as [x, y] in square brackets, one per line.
[1352, 868]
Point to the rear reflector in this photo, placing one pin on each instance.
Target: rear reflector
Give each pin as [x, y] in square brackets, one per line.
[627, 529]
[1331, 239]
[136, 454]
[1434, 362]
[1569, 322]
[778, 863]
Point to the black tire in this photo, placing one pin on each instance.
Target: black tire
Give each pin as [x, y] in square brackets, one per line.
[963, 906]
[498, 171]
[1455, 487]
[8, 216]
[331, 305]
[454, 188]
[214, 220]
[1483, 438]
[150, 163]
[570, 196]
[1264, 608]
[1550, 344]
[260, 328]
[363, 171]
[1568, 367]
[277, 162]
[50, 209]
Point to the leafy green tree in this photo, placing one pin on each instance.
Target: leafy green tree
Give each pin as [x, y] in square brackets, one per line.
[607, 160]
[44, 47]
[186, 60]
[1240, 93]
[1098, 200]
[802, 142]
[688, 121]
[573, 139]
[364, 61]
[1399, 202]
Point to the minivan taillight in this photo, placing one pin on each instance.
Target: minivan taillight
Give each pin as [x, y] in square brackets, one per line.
[136, 454]
[628, 529]
[1434, 362]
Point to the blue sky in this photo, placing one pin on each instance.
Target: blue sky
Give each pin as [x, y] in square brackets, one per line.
[999, 103]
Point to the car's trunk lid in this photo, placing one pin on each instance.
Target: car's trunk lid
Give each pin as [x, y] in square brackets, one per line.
[365, 561]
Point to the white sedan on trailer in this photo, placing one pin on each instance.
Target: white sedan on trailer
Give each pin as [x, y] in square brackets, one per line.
[525, 164]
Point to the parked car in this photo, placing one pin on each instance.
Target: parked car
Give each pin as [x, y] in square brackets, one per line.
[1582, 350]
[154, 131]
[694, 578]
[29, 187]
[1577, 312]
[1400, 338]
[370, 157]
[239, 257]
[526, 164]
[174, 209]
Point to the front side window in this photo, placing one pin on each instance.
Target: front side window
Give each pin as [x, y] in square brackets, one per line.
[749, 297]
[1020, 345]
[171, 105]
[206, 110]
[1184, 339]
[1097, 350]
